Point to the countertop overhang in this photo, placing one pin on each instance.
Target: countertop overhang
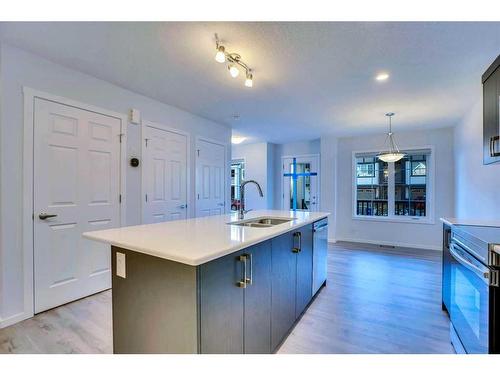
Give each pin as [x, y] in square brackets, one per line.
[474, 222]
[199, 240]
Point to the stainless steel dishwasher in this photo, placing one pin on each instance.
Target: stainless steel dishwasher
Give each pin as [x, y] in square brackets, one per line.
[320, 252]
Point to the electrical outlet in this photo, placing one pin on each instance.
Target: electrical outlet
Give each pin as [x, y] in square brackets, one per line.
[121, 269]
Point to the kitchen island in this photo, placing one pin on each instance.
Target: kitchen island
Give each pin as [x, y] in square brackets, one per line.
[211, 285]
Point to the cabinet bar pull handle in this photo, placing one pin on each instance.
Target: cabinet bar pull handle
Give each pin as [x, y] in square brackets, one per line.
[299, 248]
[493, 140]
[242, 282]
[249, 280]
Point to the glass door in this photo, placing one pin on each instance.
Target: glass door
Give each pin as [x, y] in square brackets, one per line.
[237, 176]
[300, 183]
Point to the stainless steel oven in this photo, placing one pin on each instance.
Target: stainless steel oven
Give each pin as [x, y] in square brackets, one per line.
[474, 289]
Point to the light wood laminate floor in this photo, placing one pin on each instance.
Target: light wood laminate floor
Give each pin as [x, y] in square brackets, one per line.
[377, 300]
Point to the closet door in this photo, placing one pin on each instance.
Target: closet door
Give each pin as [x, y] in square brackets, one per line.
[165, 175]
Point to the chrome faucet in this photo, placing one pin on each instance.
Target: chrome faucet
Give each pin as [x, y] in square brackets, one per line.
[242, 211]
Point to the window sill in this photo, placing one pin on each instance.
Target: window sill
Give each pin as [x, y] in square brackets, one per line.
[405, 220]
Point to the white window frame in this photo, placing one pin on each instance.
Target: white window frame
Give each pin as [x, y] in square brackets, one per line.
[391, 217]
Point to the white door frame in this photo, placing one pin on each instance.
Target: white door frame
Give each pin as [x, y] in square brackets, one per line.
[160, 126]
[318, 157]
[28, 190]
[227, 176]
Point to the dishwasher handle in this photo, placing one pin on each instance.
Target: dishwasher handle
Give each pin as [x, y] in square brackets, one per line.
[320, 228]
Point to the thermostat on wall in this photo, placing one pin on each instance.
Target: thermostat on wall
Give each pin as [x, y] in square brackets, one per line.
[135, 116]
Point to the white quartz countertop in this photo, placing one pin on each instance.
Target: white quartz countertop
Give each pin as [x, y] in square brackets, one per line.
[200, 240]
[478, 222]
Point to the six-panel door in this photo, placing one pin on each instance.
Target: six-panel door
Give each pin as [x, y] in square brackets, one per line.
[165, 175]
[77, 187]
[210, 178]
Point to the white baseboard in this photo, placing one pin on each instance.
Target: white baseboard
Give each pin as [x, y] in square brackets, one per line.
[332, 240]
[13, 319]
[388, 243]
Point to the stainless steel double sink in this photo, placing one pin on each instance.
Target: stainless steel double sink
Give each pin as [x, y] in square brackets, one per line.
[262, 222]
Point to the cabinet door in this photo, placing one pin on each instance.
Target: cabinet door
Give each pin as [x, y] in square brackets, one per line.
[258, 299]
[304, 269]
[283, 263]
[491, 91]
[221, 305]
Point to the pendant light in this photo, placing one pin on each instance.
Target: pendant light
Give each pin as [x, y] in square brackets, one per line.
[393, 154]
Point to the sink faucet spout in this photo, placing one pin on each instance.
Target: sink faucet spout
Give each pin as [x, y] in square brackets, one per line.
[242, 211]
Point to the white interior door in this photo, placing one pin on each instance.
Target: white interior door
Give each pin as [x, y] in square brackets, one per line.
[307, 180]
[210, 178]
[77, 180]
[165, 175]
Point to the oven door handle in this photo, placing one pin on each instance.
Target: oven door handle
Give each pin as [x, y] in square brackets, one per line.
[485, 275]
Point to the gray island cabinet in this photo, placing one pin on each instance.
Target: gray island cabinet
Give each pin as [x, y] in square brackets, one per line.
[244, 302]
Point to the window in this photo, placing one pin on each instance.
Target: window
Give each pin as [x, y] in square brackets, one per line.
[394, 191]
[371, 187]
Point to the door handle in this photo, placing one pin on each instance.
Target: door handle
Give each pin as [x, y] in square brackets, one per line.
[220, 204]
[183, 206]
[44, 216]
[242, 283]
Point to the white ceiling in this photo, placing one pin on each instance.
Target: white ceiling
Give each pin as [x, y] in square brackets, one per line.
[310, 78]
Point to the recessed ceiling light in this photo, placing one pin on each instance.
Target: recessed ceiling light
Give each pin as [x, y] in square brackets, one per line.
[382, 76]
[237, 140]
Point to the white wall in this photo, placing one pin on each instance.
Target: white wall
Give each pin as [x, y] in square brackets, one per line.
[271, 167]
[257, 167]
[328, 180]
[393, 233]
[20, 68]
[477, 185]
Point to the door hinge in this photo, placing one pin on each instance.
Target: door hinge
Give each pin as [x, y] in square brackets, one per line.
[121, 135]
[146, 197]
[119, 198]
[198, 196]
[198, 151]
[146, 141]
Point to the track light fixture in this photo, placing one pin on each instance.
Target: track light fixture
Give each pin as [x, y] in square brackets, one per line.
[234, 61]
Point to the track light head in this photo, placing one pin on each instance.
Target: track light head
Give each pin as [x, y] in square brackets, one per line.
[249, 80]
[233, 70]
[220, 56]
